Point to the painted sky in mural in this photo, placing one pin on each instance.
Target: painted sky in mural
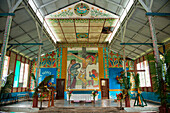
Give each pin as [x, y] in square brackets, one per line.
[82, 68]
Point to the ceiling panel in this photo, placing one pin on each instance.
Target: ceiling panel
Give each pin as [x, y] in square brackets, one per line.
[56, 29]
[93, 40]
[101, 40]
[82, 22]
[53, 22]
[22, 15]
[104, 36]
[16, 31]
[94, 35]
[72, 40]
[96, 29]
[110, 22]
[61, 35]
[161, 37]
[67, 22]
[72, 36]
[29, 25]
[97, 22]
[82, 29]
[68, 29]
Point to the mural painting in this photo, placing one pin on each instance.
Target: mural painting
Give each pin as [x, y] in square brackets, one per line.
[82, 68]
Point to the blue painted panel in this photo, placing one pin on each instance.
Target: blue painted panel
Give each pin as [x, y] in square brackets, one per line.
[31, 94]
[132, 94]
[46, 72]
[82, 92]
[65, 95]
[99, 96]
[112, 94]
[113, 72]
[150, 96]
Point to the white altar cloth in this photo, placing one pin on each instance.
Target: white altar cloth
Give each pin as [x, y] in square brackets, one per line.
[82, 97]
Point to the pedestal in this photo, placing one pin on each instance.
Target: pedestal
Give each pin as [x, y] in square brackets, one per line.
[35, 101]
[127, 101]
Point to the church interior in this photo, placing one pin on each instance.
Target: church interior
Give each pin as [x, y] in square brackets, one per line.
[85, 56]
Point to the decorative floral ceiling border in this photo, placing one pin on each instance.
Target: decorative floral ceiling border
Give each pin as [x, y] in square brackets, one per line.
[82, 10]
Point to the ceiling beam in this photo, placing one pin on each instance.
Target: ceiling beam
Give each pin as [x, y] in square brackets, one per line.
[62, 30]
[140, 44]
[135, 20]
[48, 3]
[24, 44]
[12, 9]
[157, 14]
[112, 2]
[7, 14]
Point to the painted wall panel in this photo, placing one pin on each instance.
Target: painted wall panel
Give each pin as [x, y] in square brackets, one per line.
[46, 72]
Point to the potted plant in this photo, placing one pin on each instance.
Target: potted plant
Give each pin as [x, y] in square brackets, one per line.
[42, 87]
[161, 79]
[42, 96]
[7, 84]
[125, 83]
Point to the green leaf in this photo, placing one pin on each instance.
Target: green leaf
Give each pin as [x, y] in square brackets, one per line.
[8, 85]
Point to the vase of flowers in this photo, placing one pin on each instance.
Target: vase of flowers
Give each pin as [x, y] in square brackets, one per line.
[42, 96]
[69, 94]
[119, 99]
[94, 94]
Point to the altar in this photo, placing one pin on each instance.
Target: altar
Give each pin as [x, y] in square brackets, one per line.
[85, 96]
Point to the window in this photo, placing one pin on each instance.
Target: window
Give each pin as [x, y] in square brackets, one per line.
[26, 75]
[144, 76]
[21, 74]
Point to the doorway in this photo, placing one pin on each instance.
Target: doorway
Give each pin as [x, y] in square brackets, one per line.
[104, 88]
[60, 88]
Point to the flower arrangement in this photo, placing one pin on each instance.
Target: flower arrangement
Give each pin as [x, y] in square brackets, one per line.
[42, 96]
[119, 79]
[69, 93]
[50, 84]
[119, 96]
[94, 94]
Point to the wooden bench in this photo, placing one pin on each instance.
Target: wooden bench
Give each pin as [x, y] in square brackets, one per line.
[8, 98]
[21, 96]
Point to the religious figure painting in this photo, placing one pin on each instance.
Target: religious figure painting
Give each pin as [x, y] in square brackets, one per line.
[82, 68]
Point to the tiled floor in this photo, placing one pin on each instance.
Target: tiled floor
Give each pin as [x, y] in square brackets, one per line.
[65, 105]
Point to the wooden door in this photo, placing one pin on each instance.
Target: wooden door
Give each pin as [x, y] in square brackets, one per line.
[60, 88]
[104, 88]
